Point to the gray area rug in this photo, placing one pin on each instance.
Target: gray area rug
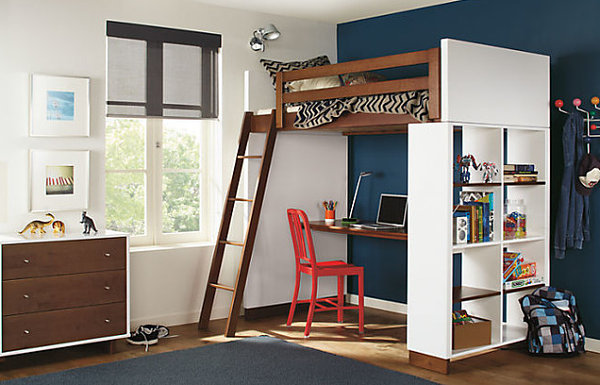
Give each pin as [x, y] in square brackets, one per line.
[256, 360]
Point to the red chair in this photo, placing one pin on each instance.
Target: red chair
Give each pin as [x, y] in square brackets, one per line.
[301, 237]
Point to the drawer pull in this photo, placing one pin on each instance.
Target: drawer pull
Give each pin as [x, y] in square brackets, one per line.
[26, 261]
[26, 331]
[107, 255]
[106, 287]
[26, 296]
[107, 321]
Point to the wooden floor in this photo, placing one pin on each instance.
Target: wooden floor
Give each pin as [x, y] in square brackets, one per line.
[383, 345]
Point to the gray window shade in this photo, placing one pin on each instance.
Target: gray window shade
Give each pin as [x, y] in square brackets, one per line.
[182, 81]
[161, 72]
[126, 76]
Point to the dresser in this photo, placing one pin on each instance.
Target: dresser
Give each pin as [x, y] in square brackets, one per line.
[66, 290]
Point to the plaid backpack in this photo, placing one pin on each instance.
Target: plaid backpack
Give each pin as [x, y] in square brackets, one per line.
[554, 324]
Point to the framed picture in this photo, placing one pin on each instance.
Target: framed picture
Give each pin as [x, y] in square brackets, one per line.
[59, 180]
[60, 106]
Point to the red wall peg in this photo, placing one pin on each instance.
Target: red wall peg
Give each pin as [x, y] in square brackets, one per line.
[577, 102]
[593, 127]
[559, 103]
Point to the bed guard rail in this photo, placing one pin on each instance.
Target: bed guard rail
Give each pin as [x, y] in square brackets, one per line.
[431, 57]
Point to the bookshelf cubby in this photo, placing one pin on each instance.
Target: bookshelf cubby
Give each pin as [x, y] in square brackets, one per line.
[477, 286]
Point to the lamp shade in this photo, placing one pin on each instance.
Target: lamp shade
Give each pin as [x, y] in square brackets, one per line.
[270, 32]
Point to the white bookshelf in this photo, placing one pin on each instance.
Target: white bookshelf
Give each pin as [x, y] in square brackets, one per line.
[430, 247]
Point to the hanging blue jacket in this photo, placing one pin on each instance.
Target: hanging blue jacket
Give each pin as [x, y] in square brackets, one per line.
[572, 219]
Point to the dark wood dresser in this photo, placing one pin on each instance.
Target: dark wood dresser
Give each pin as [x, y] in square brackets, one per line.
[61, 291]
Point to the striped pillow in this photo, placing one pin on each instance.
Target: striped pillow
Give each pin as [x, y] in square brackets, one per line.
[274, 66]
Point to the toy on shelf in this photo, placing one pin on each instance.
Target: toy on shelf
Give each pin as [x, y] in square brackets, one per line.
[37, 226]
[461, 317]
[515, 219]
[464, 162]
[58, 227]
[512, 261]
[489, 171]
[88, 223]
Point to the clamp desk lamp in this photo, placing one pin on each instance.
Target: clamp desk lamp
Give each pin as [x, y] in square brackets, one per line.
[346, 221]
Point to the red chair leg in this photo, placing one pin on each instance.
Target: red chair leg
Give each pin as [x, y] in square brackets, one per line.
[361, 303]
[294, 299]
[313, 302]
[340, 299]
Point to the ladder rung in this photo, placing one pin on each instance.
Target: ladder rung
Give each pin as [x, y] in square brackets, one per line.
[250, 156]
[219, 286]
[241, 199]
[232, 243]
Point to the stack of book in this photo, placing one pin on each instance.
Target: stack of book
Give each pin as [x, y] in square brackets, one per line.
[478, 209]
[520, 173]
[517, 272]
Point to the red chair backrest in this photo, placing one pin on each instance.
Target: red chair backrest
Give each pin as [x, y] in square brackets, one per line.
[301, 237]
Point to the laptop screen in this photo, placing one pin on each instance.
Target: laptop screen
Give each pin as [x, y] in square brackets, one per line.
[392, 209]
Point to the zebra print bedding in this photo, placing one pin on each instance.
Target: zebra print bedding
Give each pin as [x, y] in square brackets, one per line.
[315, 113]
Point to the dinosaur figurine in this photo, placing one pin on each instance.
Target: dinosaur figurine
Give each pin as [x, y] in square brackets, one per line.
[37, 226]
[88, 223]
[58, 227]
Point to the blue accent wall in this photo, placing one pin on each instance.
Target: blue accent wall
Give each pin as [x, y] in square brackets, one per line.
[565, 30]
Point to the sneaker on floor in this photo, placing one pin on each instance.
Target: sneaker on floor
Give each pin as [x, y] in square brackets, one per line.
[162, 331]
[144, 336]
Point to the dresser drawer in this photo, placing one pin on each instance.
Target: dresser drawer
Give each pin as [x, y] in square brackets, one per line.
[38, 259]
[53, 327]
[62, 292]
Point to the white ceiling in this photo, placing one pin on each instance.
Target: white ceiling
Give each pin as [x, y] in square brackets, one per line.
[331, 11]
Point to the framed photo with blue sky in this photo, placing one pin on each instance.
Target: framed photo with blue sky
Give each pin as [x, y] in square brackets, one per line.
[60, 106]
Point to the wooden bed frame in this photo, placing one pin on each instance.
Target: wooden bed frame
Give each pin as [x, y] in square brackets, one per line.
[359, 123]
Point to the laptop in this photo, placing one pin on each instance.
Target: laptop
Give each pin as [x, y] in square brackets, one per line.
[390, 215]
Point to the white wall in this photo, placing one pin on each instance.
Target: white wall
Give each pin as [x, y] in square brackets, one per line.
[307, 168]
[67, 37]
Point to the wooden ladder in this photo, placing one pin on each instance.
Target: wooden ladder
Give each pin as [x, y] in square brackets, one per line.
[248, 244]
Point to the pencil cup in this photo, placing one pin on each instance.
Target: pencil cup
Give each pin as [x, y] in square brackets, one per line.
[329, 217]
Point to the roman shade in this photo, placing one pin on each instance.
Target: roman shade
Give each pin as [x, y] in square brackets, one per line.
[161, 72]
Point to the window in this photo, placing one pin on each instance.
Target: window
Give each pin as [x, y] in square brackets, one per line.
[161, 134]
[160, 179]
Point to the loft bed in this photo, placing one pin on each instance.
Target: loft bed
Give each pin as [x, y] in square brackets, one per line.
[469, 85]
[361, 122]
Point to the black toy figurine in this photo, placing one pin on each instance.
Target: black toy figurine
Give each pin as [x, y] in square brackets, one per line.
[88, 223]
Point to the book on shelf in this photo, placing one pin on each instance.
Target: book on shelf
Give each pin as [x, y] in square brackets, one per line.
[484, 201]
[472, 215]
[519, 167]
[520, 178]
[524, 282]
[520, 172]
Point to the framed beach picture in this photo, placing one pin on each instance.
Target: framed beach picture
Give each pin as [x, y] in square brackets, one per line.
[59, 180]
[60, 106]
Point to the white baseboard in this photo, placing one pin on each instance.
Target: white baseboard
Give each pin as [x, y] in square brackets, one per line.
[178, 318]
[381, 304]
[592, 345]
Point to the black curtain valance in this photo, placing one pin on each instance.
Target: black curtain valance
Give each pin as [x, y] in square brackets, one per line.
[161, 72]
[162, 34]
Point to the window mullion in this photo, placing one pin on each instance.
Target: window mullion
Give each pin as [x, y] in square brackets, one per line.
[157, 145]
[152, 179]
